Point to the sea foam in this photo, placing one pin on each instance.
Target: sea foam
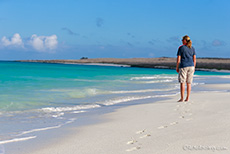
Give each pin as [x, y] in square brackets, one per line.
[17, 139]
[73, 108]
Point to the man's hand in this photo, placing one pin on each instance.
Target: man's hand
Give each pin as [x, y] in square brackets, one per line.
[177, 69]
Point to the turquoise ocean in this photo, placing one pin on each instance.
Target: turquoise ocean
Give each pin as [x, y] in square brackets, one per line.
[38, 96]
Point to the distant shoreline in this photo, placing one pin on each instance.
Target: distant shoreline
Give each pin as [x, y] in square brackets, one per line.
[163, 62]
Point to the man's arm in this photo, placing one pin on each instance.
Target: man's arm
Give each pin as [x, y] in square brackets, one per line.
[178, 63]
[194, 61]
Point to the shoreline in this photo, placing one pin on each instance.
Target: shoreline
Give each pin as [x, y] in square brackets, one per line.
[160, 127]
[163, 62]
[164, 127]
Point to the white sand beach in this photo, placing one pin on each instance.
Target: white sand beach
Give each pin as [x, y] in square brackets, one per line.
[165, 127]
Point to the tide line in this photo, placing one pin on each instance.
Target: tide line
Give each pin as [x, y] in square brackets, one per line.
[127, 99]
[140, 91]
[17, 139]
[153, 77]
[39, 129]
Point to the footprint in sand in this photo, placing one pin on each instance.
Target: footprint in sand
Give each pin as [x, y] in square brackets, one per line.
[141, 131]
[174, 123]
[132, 141]
[147, 135]
[161, 127]
[165, 126]
[132, 149]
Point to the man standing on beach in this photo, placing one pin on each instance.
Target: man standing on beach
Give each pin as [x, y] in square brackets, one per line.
[186, 63]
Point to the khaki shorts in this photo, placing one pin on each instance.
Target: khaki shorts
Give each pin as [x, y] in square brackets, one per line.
[186, 74]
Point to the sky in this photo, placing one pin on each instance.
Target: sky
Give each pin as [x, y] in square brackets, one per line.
[71, 29]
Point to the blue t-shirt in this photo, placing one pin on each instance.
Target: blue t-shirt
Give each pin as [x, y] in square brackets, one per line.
[186, 54]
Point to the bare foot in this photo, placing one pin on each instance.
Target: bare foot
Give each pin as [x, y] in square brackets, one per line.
[186, 100]
[180, 100]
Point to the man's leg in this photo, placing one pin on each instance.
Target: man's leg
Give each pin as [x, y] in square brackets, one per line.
[189, 81]
[182, 89]
[188, 91]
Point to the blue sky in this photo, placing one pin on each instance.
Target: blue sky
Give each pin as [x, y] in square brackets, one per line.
[71, 29]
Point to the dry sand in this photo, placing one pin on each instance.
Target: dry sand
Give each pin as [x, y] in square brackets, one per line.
[165, 127]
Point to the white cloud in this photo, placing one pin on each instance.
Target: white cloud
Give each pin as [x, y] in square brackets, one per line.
[43, 43]
[16, 41]
[39, 43]
[5, 41]
[51, 42]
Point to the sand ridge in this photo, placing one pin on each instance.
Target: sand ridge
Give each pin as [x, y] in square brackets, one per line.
[163, 62]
